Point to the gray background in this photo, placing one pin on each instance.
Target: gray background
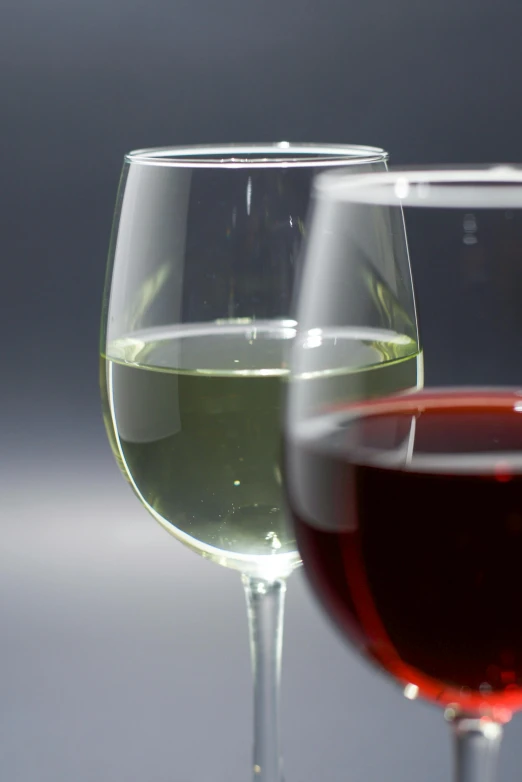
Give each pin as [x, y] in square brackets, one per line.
[124, 656]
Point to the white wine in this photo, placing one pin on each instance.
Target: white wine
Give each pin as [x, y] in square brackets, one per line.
[195, 412]
[194, 418]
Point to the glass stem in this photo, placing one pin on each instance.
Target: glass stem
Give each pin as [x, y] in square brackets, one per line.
[265, 605]
[477, 742]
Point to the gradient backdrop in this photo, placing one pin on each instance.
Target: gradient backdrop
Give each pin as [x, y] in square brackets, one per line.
[123, 656]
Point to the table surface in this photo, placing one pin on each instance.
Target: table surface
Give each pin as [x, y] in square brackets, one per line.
[125, 656]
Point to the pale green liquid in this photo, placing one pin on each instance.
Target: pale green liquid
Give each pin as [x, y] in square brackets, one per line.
[194, 417]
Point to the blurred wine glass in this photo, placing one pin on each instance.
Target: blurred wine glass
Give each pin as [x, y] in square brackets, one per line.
[407, 499]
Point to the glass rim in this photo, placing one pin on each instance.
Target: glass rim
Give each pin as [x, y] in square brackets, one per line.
[280, 154]
[486, 186]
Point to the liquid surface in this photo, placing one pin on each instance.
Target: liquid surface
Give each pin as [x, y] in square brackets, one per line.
[409, 519]
[193, 414]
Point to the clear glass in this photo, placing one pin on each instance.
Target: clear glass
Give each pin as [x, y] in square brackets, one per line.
[197, 319]
[404, 465]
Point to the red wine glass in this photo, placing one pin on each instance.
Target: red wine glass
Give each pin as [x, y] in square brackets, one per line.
[407, 493]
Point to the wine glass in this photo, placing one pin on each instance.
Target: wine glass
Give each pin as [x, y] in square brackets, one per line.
[196, 321]
[407, 498]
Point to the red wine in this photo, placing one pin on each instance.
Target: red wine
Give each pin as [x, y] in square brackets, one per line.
[408, 517]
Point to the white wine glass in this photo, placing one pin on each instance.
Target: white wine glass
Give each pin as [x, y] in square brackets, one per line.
[201, 278]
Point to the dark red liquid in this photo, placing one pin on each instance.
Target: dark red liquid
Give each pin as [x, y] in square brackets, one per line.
[409, 519]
